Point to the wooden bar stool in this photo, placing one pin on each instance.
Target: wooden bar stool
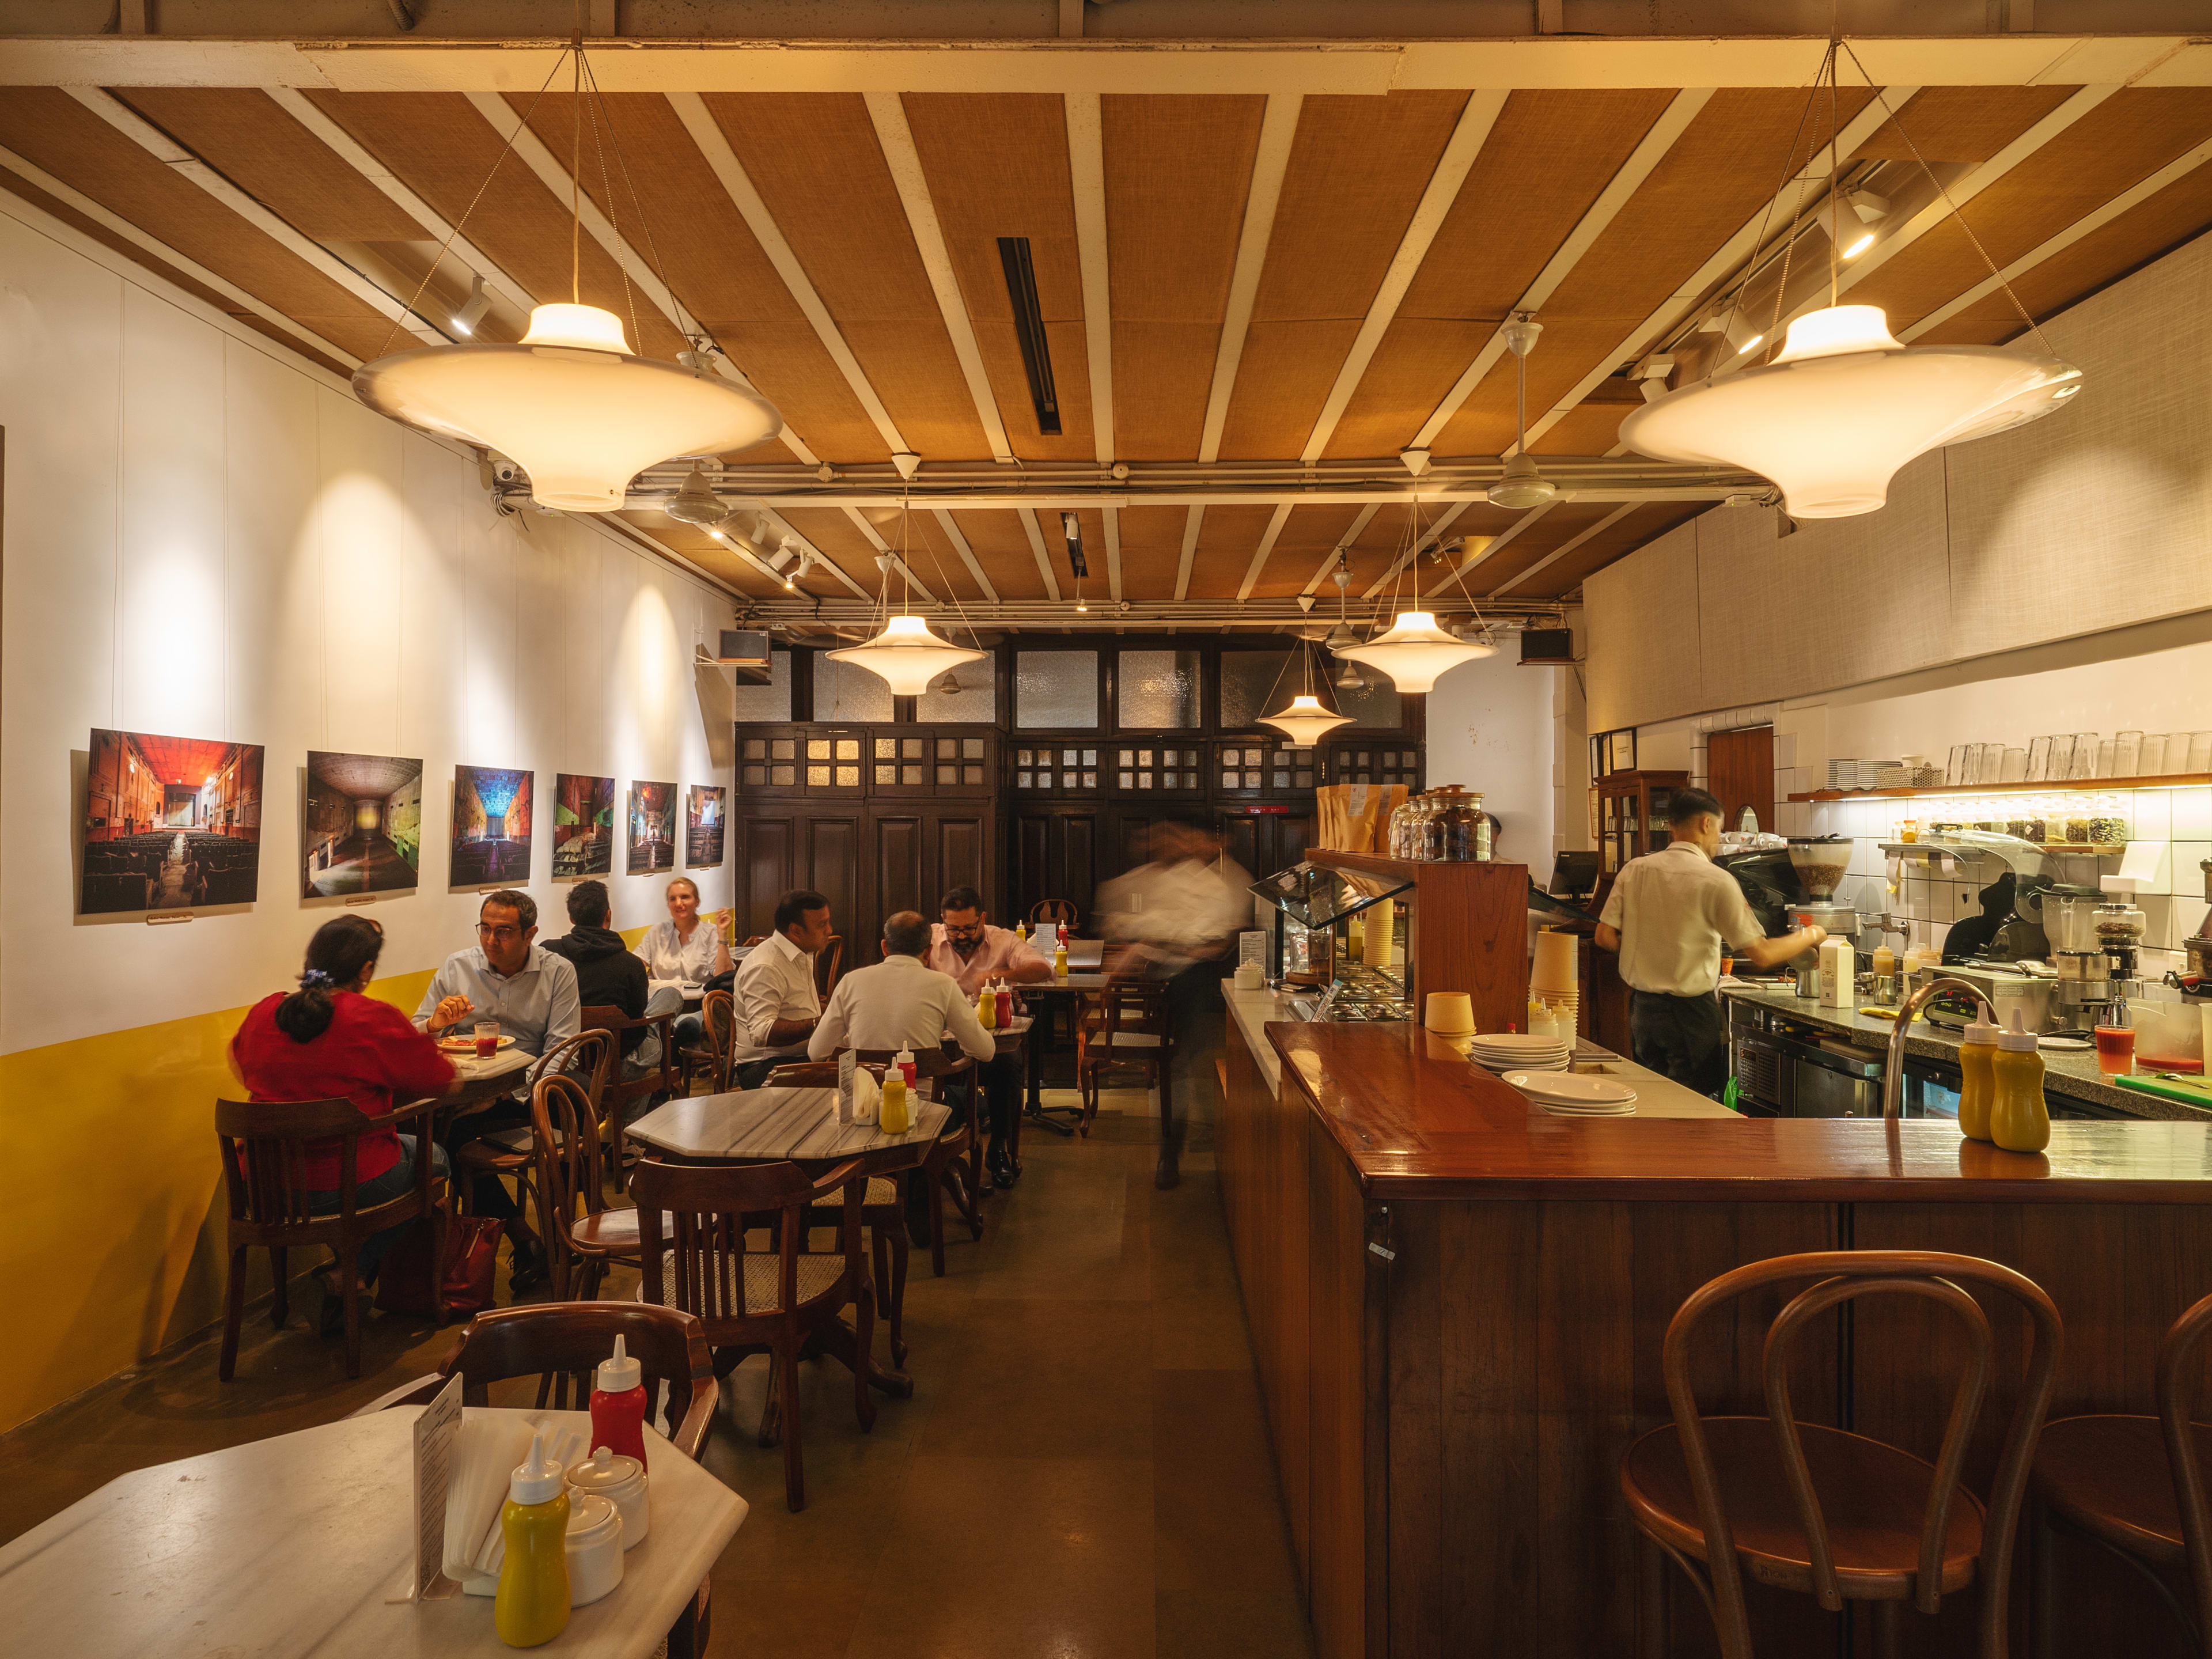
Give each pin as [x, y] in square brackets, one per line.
[1834, 1515]
[2134, 1485]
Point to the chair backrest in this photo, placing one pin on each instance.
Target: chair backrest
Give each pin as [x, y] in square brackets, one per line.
[1059, 910]
[567, 1149]
[2177, 1373]
[605, 1017]
[264, 1145]
[704, 1257]
[588, 1056]
[1841, 1276]
[562, 1343]
[928, 1062]
[718, 1013]
[829, 963]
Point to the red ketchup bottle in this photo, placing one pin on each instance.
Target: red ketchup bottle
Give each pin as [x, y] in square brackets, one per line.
[1006, 1006]
[618, 1406]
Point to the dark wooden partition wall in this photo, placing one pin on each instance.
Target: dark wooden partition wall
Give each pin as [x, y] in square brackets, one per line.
[886, 816]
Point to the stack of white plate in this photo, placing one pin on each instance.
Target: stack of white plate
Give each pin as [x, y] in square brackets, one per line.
[1520, 1051]
[1575, 1094]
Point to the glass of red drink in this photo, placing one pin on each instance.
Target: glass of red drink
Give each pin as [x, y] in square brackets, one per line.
[2116, 1050]
[487, 1038]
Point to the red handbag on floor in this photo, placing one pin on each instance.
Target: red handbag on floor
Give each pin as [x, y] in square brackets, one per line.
[472, 1253]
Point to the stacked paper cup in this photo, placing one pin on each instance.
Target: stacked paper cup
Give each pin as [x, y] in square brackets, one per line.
[1552, 977]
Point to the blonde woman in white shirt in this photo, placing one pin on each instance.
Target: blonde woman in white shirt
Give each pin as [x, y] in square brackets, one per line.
[688, 946]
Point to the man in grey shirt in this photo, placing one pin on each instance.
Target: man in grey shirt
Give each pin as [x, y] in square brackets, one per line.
[509, 977]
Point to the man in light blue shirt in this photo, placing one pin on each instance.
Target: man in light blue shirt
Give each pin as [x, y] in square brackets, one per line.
[505, 976]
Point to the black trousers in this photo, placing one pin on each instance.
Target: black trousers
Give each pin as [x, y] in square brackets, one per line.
[487, 1193]
[1685, 1038]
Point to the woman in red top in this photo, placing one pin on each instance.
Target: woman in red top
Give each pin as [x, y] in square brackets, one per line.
[327, 1040]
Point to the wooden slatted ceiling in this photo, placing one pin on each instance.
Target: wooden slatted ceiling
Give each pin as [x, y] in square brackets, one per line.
[833, 531]
[1717, 174]
[440, 147]
[1546, 160]
[816, 163]
[1307, 535]
[931, 554]
[1961, 124]
[1225, 542]
[712, 261]
[1558, 579]
[1178, 170]
[52, 131]
[716, 558]
[2127, 138]
[1357, 171]
[1001, 546]
[997, 166]
[1559, 525]
[1151, 551]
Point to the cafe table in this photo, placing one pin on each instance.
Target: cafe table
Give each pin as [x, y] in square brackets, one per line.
[289, 1547]
[1086, 964]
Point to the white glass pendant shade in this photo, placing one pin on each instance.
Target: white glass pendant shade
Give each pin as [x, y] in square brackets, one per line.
[907, 656]
[570, 403]
[1415, 653]
[1844, 405]
[1305, 722]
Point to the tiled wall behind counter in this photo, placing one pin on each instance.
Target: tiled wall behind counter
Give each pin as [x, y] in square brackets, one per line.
[2172, 902]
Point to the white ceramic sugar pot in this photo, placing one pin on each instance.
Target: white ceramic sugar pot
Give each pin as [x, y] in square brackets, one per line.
[622, 1482]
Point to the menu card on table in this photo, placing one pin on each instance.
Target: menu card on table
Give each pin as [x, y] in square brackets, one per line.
[435, 1430]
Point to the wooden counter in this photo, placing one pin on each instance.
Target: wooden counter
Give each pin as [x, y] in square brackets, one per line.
[1456, 1310]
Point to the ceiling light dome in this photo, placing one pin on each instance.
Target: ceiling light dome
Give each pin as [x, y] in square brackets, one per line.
[1305, 722]
[1521, 486]
[571, 402]
[697, 502]
[1844, 405]
[907, 656]
[1415, 654]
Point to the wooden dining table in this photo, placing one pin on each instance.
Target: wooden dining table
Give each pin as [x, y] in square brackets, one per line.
[1086, 973]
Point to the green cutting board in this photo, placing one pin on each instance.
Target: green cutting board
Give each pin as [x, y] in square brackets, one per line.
[2195, 1094]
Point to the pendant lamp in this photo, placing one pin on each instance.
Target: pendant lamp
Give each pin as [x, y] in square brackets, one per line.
[1305, 722]
[1415, 653]
[907, 656]
[571, 404]
[1844, 405]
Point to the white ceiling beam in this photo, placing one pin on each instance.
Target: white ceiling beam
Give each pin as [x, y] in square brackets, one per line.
[1649, 151]
[1190, 523]
[835, 570]
[1113, 517]
[967, 554]
[884, 548]
[1086, 167]
[1429, 539]
[887, 111]
[2172, 171]
[159, 250]
[1475, 120]
[1569, 546]
[1495, 543]
[1343, 542]
[1038, 550]
[1275, 523]
[186, 165]
[1278, 128]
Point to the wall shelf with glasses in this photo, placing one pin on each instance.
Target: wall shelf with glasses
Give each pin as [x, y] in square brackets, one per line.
[2067, 786]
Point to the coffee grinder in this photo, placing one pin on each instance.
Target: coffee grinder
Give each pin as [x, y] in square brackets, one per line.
[2095, 942]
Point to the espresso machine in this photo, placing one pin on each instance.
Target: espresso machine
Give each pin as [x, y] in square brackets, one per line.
[2094, 943]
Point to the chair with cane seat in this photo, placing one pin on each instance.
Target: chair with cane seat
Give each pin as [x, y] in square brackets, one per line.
[2136, 1486]
[716, 1055]
[622, 1088]
[1125, 1027]
[1837, 1515]
[581, 1235]
[511, 1152]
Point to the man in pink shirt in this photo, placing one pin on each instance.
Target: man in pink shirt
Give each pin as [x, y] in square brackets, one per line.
[964, 945]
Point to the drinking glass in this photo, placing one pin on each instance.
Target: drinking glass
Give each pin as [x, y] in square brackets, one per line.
[2127, 755]
[2116, 1049]
[2200, 751]
[1954, 773]
[2062, 758]
[2154, 756]
[2039, 760]
[2085, 754]
[487, 1038]
[2015, 766]
[2108, 752]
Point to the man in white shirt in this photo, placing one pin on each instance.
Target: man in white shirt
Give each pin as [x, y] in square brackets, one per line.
[1668, 916]
[776, 1004]
[903, 1003]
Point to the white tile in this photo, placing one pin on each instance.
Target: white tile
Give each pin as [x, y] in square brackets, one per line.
[2188, 917]
[1794, 818]
[2186, 859]
[2153, 814]
[1786, 749]
[2193, 814]
[2157, 919]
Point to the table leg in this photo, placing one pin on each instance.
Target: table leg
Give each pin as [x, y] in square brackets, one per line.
[1047, 1014]
[837, 1339]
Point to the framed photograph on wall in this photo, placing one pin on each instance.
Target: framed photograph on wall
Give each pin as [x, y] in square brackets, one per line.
[170, 823]
[583, 826]
[652, 828]
[703, 827]
[360, 831]
[491, 827]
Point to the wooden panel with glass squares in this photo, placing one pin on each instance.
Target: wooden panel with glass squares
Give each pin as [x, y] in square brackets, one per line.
[930, 762]
[1364, 760]
[803, 759]
[1058, 768]
[1257, 766]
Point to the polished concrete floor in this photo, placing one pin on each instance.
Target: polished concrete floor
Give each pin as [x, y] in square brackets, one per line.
[1082, 1474]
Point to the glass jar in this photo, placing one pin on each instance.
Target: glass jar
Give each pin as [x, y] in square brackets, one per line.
[2109, 825]
[2118, 924]
[1429, 830]
[1460, 826]
[1395, 841]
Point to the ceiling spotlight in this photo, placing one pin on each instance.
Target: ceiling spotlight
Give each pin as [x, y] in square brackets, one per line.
[1071, 527]
[470, 314]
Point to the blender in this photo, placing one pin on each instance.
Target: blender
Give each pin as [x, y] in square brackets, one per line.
[2077, 951]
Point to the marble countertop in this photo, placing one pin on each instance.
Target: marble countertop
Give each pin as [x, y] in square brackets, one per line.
[766, 1124]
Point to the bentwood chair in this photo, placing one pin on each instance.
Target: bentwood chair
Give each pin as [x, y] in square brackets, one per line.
[829, 964]
[1060, 911]
[2136, 1486]
[512, 1153]
[264, 1146]
[717, 1055]
[1821, 1511]
[622, 1088]
[582, 1235]
[692, 1227]
[1125, 1028]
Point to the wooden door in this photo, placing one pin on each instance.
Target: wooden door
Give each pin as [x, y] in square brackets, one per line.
[958, 853]
[1055, 855]
[1740, 773]
[898, 880]
[766, 842]
[831, 859]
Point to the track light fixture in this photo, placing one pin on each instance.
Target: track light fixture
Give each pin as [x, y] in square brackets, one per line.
[471, 314]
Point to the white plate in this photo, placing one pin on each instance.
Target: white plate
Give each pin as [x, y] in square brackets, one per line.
[1574, 1088]
[1552, 1109]
[1517, 1040]
[1501, 1068]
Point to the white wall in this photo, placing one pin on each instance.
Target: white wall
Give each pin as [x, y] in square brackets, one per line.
[1491, 727]
[206, 536]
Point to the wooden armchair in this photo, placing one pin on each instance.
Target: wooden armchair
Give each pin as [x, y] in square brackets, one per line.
[264, 1146]
[692, 1232]
[1125, 1027]
[829, 963]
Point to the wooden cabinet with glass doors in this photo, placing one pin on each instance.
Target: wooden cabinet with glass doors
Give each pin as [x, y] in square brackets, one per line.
[1632, 817]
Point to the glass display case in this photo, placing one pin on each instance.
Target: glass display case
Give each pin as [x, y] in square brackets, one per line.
[1340, 930]
[1632, 815]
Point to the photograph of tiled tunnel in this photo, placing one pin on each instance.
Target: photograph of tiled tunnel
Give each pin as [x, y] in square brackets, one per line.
[491, 826]
[169, 823]
[703, 827]
[652, 828]
[361, 827]
[583, 826]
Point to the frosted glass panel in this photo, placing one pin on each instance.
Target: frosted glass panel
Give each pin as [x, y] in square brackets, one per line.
[1377, 705]
[1158, 690]
[1055, 688]
[844, 692]
[771, 701]
[976, 703]
[1247, 677]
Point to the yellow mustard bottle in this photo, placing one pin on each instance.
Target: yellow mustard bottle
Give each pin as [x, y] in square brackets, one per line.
[1060, 962]
[894, 1119]
[1977, 1085]
[531, 1607]
[987, 1009]
[2018, 1122]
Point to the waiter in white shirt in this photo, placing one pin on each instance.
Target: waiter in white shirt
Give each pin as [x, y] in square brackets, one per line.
[1668, 916]
[776, 1004]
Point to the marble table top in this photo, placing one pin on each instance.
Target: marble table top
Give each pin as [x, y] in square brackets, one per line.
[769, 1125]
[288, 1546]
